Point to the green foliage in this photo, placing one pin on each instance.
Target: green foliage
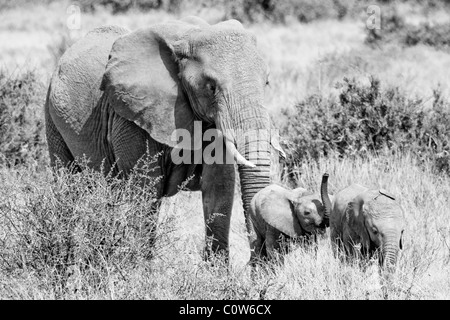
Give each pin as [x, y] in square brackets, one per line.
[365, 120]
[22, 137]
[85, 225]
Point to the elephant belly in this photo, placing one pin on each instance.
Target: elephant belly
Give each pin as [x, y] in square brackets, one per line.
[90, 142]
[186, 176]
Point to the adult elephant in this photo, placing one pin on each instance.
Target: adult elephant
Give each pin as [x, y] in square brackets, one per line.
[117, 94]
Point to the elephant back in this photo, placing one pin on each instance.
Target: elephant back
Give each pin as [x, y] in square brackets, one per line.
[76, 81]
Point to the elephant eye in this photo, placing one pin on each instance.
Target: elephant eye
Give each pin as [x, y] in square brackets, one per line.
[211, 87]
[307, 213]
[374, 230]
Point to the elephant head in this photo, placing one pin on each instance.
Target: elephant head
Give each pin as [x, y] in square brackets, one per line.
[380, 224]
[168, 76]
[296, 212]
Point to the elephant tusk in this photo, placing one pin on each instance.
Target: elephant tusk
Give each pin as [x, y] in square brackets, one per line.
[237, 156]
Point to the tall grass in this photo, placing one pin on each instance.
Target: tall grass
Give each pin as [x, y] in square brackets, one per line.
[73, 237]
[78, 232]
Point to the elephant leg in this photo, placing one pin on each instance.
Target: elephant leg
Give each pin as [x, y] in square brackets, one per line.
[131, 145]
[217, 186]
[271, 245]
[57, 147]
[272, 242]
[257, 250]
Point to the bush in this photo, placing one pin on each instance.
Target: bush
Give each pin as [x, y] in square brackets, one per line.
[391, 28]
[364, 120]
[119, 6]
[84, 227]
[278, 11]
[395, 29]
[244, 10]
[22, 137]
[436, 36]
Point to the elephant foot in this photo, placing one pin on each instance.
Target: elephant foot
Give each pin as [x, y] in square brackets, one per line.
[214, 251]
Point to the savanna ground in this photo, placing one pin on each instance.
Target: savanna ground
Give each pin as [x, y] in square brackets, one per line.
[366, 106]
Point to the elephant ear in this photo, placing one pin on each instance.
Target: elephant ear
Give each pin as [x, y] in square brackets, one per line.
[141, 79]
[278, 211]
[295, 194]
[357, 221]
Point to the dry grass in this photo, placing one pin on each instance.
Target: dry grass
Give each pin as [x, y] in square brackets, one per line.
[178, 271]
[303, 59]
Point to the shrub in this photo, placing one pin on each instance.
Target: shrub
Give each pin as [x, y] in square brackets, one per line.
[119, 6]
[364, 120]
[432, 35]
[85, 226]
[391, 28]
[278, 11]
[395, 29]
[21, 119]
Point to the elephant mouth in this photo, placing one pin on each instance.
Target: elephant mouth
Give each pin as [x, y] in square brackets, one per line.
[314, 229]
[320, 231]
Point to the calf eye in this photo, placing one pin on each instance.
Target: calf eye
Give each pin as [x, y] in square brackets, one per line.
[307, 213]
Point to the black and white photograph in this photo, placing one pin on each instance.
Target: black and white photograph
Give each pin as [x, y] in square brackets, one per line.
[236, 152]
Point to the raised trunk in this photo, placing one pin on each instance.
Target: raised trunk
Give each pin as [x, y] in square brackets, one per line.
[325, 200]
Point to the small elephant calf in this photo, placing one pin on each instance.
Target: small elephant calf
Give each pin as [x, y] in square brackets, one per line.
[367, 220]
[276, 211]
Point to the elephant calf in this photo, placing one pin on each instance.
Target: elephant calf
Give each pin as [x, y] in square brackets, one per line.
[370, 219]
[276, 211]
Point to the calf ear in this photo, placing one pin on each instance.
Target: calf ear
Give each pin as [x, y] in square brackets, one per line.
[278, 211]
[295, 194]
[355, 211]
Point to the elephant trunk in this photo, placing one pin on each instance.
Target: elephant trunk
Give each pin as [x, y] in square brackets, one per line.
[325, 200]
[253, 179]
[249, 128]
[390, 252]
